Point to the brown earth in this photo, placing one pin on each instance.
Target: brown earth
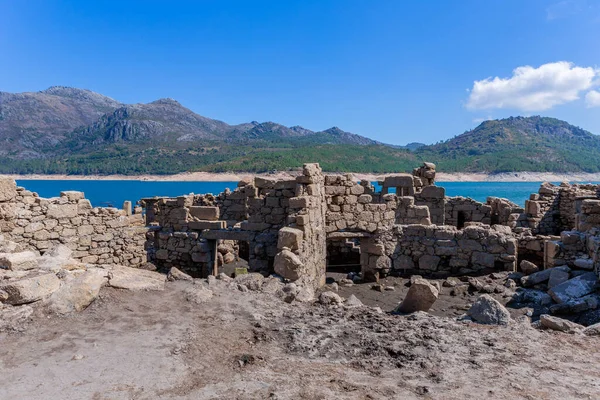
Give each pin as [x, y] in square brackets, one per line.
[251, 345]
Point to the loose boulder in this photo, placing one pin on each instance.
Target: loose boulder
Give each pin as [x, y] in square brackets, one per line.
[22, 261]
[11, 317]
[592, 330]
[198, 294]
[420, 297]
[252, 281]
[30, 289]
[527, 267]
[559, 324]
[487, 310]
[135, 279]
[288, 265]
[574, 288]
[77, 293]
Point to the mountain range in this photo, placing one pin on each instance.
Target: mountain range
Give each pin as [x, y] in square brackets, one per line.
[76, 131]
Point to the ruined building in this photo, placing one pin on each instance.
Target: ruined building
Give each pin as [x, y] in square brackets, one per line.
[297, 228]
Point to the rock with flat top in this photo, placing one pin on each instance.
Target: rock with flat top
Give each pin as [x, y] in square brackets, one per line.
[252, 281]
[574, 288]
[420, 297]
[135, 279]
[198, 294]
[22, 261]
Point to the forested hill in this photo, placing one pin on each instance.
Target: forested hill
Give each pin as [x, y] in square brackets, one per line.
[518, 144]
[75, 131]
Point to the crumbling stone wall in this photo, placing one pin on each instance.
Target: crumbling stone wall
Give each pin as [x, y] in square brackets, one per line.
[553, 208]
[355, 206]
[505, 212]
[96, 235]
[441, 250]
[302, 244]
[434, 198]
[460, 210]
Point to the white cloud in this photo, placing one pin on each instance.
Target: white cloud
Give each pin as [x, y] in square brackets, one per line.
[533, 89]
[592, 98]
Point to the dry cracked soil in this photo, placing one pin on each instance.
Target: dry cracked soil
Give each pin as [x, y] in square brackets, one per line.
[251, 345]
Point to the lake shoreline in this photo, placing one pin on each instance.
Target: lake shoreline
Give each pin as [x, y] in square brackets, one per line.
[234, 177]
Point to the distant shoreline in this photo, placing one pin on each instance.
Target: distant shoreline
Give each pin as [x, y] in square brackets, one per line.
[233, 177]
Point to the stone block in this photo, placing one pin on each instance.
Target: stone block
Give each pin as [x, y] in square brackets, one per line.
[290, 238]
[201, 225]
[433, 192]
[72, 195]
[205, 213]
[59, 211]
[400, 180]
[420, 297]
[574, 288]
[22, 261]
[8, 189]
[429, 262]
[299, 202]
[30, 289]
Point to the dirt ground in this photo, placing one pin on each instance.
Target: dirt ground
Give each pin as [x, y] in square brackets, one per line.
[251, 345]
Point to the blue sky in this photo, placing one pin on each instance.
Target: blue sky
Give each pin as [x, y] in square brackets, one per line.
[396, 71]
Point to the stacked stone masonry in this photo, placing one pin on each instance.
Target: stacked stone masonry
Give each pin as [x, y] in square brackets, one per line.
[286, 226]
[96, 235]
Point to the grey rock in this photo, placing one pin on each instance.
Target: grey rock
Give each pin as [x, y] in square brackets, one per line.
[330, 298]
[559, 324]
[176, 274]
[487, 310]
[557, 277]
[527, 267]
[574, 288]
[30, 289]
[592, 330]
[353, 302]
[420, 297]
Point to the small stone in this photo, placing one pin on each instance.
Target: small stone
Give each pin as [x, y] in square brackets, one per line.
[177, 275]
[330, 298]
[377, 287]
[353, 301]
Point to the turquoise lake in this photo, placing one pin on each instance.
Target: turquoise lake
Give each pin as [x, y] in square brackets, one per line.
[113, 193]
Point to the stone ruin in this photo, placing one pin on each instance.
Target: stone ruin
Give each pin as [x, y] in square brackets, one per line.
[301, 227]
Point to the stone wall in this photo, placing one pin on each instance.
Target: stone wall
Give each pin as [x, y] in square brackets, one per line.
[460, 210]
[96, 235]
[434, 197]
[302, 245]
[355, 206]
[442, 250]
